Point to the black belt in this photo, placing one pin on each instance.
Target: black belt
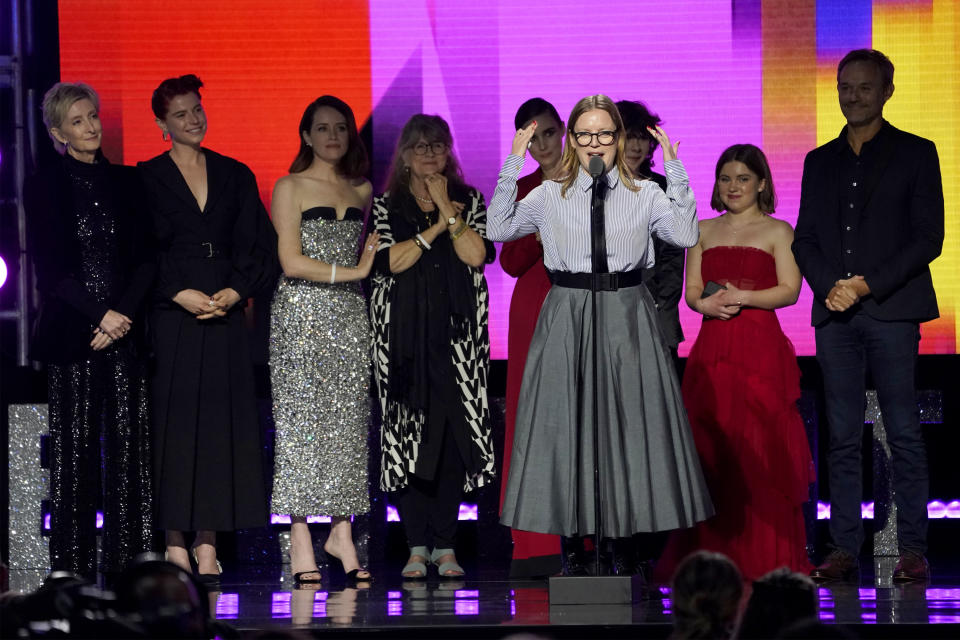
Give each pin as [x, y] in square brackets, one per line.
[201, 250]
[606, 281]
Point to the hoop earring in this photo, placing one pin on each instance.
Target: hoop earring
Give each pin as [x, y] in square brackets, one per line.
[165, 135]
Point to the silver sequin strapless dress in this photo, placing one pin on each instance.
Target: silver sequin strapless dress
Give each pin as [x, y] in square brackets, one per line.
[320, 373]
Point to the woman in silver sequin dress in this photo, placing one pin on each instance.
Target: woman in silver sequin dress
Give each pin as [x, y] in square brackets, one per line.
[94, 272]
[320, 337]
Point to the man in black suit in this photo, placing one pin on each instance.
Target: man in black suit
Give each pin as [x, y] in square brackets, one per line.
[870, 223]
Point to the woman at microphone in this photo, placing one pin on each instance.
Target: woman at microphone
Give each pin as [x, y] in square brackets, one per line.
[650, 477]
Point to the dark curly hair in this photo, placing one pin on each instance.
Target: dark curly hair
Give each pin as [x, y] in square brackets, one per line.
[170, 89]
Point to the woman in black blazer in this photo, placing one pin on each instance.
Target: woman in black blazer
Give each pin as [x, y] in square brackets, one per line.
[94, 268]
[216, 249]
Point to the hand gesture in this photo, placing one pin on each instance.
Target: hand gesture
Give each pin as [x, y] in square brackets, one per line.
[669, 149]
[114, 324]
[100, 340]
[365, 263]
[436, 185]
[225, 298]
[842, 296]
[196, 302]
[721, 304]
[521, 141]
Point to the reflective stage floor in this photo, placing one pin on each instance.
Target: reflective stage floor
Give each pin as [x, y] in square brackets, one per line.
[489, 606]
[497, 608]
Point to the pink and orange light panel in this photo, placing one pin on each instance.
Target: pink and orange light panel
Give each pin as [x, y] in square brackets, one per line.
[717, 72]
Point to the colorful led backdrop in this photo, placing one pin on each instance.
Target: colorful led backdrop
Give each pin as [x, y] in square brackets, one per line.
[717, 72]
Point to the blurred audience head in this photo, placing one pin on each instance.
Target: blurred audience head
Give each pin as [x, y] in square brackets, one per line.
[706, 592]
[167, 599]
[780, 599]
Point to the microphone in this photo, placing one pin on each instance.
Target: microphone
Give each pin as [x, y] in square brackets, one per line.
[596, 167]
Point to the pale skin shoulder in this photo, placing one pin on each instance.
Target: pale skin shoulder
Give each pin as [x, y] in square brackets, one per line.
[291, 194]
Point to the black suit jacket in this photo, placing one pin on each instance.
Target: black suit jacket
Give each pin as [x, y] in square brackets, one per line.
[69, 313]
[900, 227]
[233, 223]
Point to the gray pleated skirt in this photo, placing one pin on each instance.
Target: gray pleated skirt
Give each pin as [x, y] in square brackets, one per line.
[650, 474]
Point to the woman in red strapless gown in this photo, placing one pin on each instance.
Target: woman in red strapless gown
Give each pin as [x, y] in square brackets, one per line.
[534, 554]
[742, 382]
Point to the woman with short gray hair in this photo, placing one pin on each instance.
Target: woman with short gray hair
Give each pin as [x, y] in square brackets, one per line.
[85, 236]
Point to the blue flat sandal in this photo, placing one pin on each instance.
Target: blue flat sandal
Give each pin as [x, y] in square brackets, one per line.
[450, 565]
[416, 566]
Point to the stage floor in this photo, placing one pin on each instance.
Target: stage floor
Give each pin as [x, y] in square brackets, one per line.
[487, 606]
[498, 608]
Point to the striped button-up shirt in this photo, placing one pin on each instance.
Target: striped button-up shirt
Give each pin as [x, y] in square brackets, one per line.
[631, 217]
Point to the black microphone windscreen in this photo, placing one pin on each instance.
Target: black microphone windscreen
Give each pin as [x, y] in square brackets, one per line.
[596, 166]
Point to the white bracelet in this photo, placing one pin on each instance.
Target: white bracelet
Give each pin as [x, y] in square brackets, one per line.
[424, 241]
[333, 273]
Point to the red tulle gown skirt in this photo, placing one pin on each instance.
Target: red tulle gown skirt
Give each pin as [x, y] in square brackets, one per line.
[741, 386]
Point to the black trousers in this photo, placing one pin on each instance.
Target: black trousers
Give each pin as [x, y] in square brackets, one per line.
[99, 457]
[846, 349]
[430, 508]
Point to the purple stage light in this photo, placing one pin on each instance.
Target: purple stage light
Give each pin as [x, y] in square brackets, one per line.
[869, 618]
[392, 514]
[867, 594]
[466, 607]
[3, 271]
[46, 522]
[99, 519]
[513, 607]
[228, 606]
[394, 608]
[320, 604]
[935, 510]
[394, 595]
[319, 519]
[665, 591]
[280, 604]
[943, 594]
[467, 512]
[826, 615]
[466, 593]
[278, 519]
[944, 619]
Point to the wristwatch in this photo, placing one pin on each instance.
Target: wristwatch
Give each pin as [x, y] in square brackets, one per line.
[452, 220]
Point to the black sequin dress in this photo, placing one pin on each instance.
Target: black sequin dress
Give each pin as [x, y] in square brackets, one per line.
[91, 255]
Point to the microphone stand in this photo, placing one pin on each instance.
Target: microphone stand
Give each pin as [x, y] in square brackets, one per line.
[596, 589]
[597, 194]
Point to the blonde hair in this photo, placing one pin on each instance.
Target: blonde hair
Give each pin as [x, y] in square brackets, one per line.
[58, 100]
[569, 161]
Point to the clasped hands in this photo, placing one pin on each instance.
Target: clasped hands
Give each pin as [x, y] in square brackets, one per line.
[846, 293]
[113, 326]
[205, 307]
[724, 304]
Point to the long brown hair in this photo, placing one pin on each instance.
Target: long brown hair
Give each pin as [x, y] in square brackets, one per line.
[431, 129]
[354, 163]
[569, 161]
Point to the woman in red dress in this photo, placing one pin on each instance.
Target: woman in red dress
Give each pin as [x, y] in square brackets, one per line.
[741, 383]
[534, 554]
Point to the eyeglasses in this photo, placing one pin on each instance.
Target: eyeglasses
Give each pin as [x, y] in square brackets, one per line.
[436, 147]
[584, 138]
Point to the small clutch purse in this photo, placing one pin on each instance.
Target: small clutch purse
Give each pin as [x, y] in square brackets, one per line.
[711, 288]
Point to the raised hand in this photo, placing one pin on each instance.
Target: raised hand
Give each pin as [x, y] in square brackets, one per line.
[521, 141]
[436, 185]
[669, 149]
